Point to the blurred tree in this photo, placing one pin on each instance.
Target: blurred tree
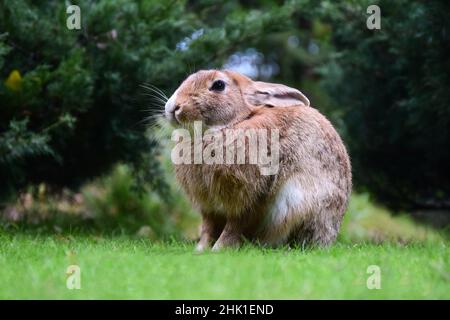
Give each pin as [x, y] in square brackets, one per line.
[392, 87]
[71, 102]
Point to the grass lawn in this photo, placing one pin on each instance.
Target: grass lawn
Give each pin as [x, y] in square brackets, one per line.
[34, 267]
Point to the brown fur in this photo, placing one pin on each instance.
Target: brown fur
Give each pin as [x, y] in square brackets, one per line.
[305, 201]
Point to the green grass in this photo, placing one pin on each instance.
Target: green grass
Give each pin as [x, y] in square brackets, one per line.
[414, 261]
[34, 266]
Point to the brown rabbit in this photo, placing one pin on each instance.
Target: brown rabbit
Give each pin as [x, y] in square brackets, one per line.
[304, 201]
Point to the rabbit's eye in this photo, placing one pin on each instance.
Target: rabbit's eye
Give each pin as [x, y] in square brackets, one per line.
[218, 85]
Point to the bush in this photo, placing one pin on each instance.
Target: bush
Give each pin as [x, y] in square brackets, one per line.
[392, 88]
[112, 204]
[107, 205]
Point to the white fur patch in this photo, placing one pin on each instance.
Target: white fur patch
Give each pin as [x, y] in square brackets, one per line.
[288, 200]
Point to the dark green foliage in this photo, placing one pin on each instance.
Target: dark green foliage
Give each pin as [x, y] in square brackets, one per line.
[71, 104]
[393, 89]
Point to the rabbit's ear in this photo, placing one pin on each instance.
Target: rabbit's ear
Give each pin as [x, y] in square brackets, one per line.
[264, 93]
[274, 95]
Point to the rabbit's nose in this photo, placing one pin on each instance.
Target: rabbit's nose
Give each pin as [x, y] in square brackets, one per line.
[176, 111]
[172, 108]
[170, 104]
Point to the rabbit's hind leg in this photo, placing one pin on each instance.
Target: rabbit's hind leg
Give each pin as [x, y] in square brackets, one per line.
[288, 209]
[320, 230]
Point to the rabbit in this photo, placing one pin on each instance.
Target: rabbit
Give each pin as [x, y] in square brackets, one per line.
[304, 202]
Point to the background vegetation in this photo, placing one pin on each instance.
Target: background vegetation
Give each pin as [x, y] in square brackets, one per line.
[73, 105]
